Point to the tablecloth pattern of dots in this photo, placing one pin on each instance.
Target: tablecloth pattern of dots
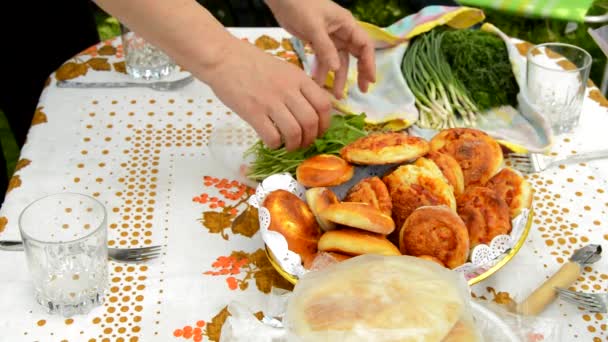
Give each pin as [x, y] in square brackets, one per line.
[144, 154]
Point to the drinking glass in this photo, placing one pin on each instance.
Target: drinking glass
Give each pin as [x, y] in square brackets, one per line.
[142, 59]
[65, 240]
[556, 80]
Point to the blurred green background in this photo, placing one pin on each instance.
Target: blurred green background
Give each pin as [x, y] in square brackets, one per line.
[385, 12]
[379, 12]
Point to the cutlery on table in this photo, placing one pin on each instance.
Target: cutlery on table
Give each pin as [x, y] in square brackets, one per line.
[594, 302]
[564, 277]
[536, 162]
[159, 85]
[118, 254]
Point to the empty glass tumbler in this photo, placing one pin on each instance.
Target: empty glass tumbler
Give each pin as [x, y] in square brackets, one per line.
[556, 81]
[65, 240]
[142, 59]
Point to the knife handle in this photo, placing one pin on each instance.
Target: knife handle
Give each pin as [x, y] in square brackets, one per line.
[545, 294]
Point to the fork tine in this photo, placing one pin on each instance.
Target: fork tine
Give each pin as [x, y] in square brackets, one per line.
[579, 298]
[584, 306]
[519, 155]
[144, 250]
[144, 257]
[575, 293]
[138, 258]
[521, 162]
[137, 255]
[588, 301]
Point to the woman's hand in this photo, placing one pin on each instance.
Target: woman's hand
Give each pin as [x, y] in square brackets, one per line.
[275, 97]
[334, 34]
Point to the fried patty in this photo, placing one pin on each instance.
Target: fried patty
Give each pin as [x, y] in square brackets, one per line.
[384, 148]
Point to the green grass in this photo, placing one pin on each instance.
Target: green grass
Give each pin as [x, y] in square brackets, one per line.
[9, 145]
[107, 26]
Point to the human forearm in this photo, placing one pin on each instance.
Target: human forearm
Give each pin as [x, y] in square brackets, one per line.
[182, 28]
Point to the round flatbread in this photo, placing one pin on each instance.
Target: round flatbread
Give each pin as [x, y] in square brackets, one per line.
[381, 299]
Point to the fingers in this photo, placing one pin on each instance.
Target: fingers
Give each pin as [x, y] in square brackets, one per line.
[327, 55]
[306, 116]
[341, 75]
[264, 126]
[362, 47]
[288, 126]
[321, 103]
[357, 42]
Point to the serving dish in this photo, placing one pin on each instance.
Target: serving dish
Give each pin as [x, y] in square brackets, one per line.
[484, 260]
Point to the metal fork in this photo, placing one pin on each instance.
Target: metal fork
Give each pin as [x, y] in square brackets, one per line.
[159, 85]
[594, 302]
[118, 254]
[536, 162]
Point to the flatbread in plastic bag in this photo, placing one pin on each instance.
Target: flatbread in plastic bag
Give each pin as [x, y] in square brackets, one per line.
[380, 298]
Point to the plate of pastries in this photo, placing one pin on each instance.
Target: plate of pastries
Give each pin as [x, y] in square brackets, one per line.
[450, 200]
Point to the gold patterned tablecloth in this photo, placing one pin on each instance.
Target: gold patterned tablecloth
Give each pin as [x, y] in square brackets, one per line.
[144, 154]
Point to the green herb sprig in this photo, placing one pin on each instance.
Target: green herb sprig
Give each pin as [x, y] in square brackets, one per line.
[481, 62]
[342, 130]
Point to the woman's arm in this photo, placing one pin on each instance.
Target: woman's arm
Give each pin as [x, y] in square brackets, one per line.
[276, 98]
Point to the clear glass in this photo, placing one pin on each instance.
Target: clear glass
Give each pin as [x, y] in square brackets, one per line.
[65, 240]
[142, 59]
[556, 81]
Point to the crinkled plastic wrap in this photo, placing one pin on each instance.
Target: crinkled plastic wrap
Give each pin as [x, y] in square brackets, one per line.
[379, 298]
[365, 298]
[382, 298]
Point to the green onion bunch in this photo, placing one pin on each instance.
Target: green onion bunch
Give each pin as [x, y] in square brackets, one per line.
[441, 98]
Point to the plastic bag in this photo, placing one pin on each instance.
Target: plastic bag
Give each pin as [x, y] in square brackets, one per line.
[366, 298]
[517, 327]
[378, 298]
[382, 298]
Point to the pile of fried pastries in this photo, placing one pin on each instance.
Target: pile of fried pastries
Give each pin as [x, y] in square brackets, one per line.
[440, 199]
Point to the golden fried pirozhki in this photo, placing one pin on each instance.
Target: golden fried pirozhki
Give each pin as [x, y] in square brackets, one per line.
[431, 258]
[485, 214]
[359, 215]
[478, 154]
[416, 185]
[318, 199]
[324, 170]
[356, 242]
[450, 169]
[290, 216]
[438, 232]
[371, 191]
[513, 188]
[384, 148]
